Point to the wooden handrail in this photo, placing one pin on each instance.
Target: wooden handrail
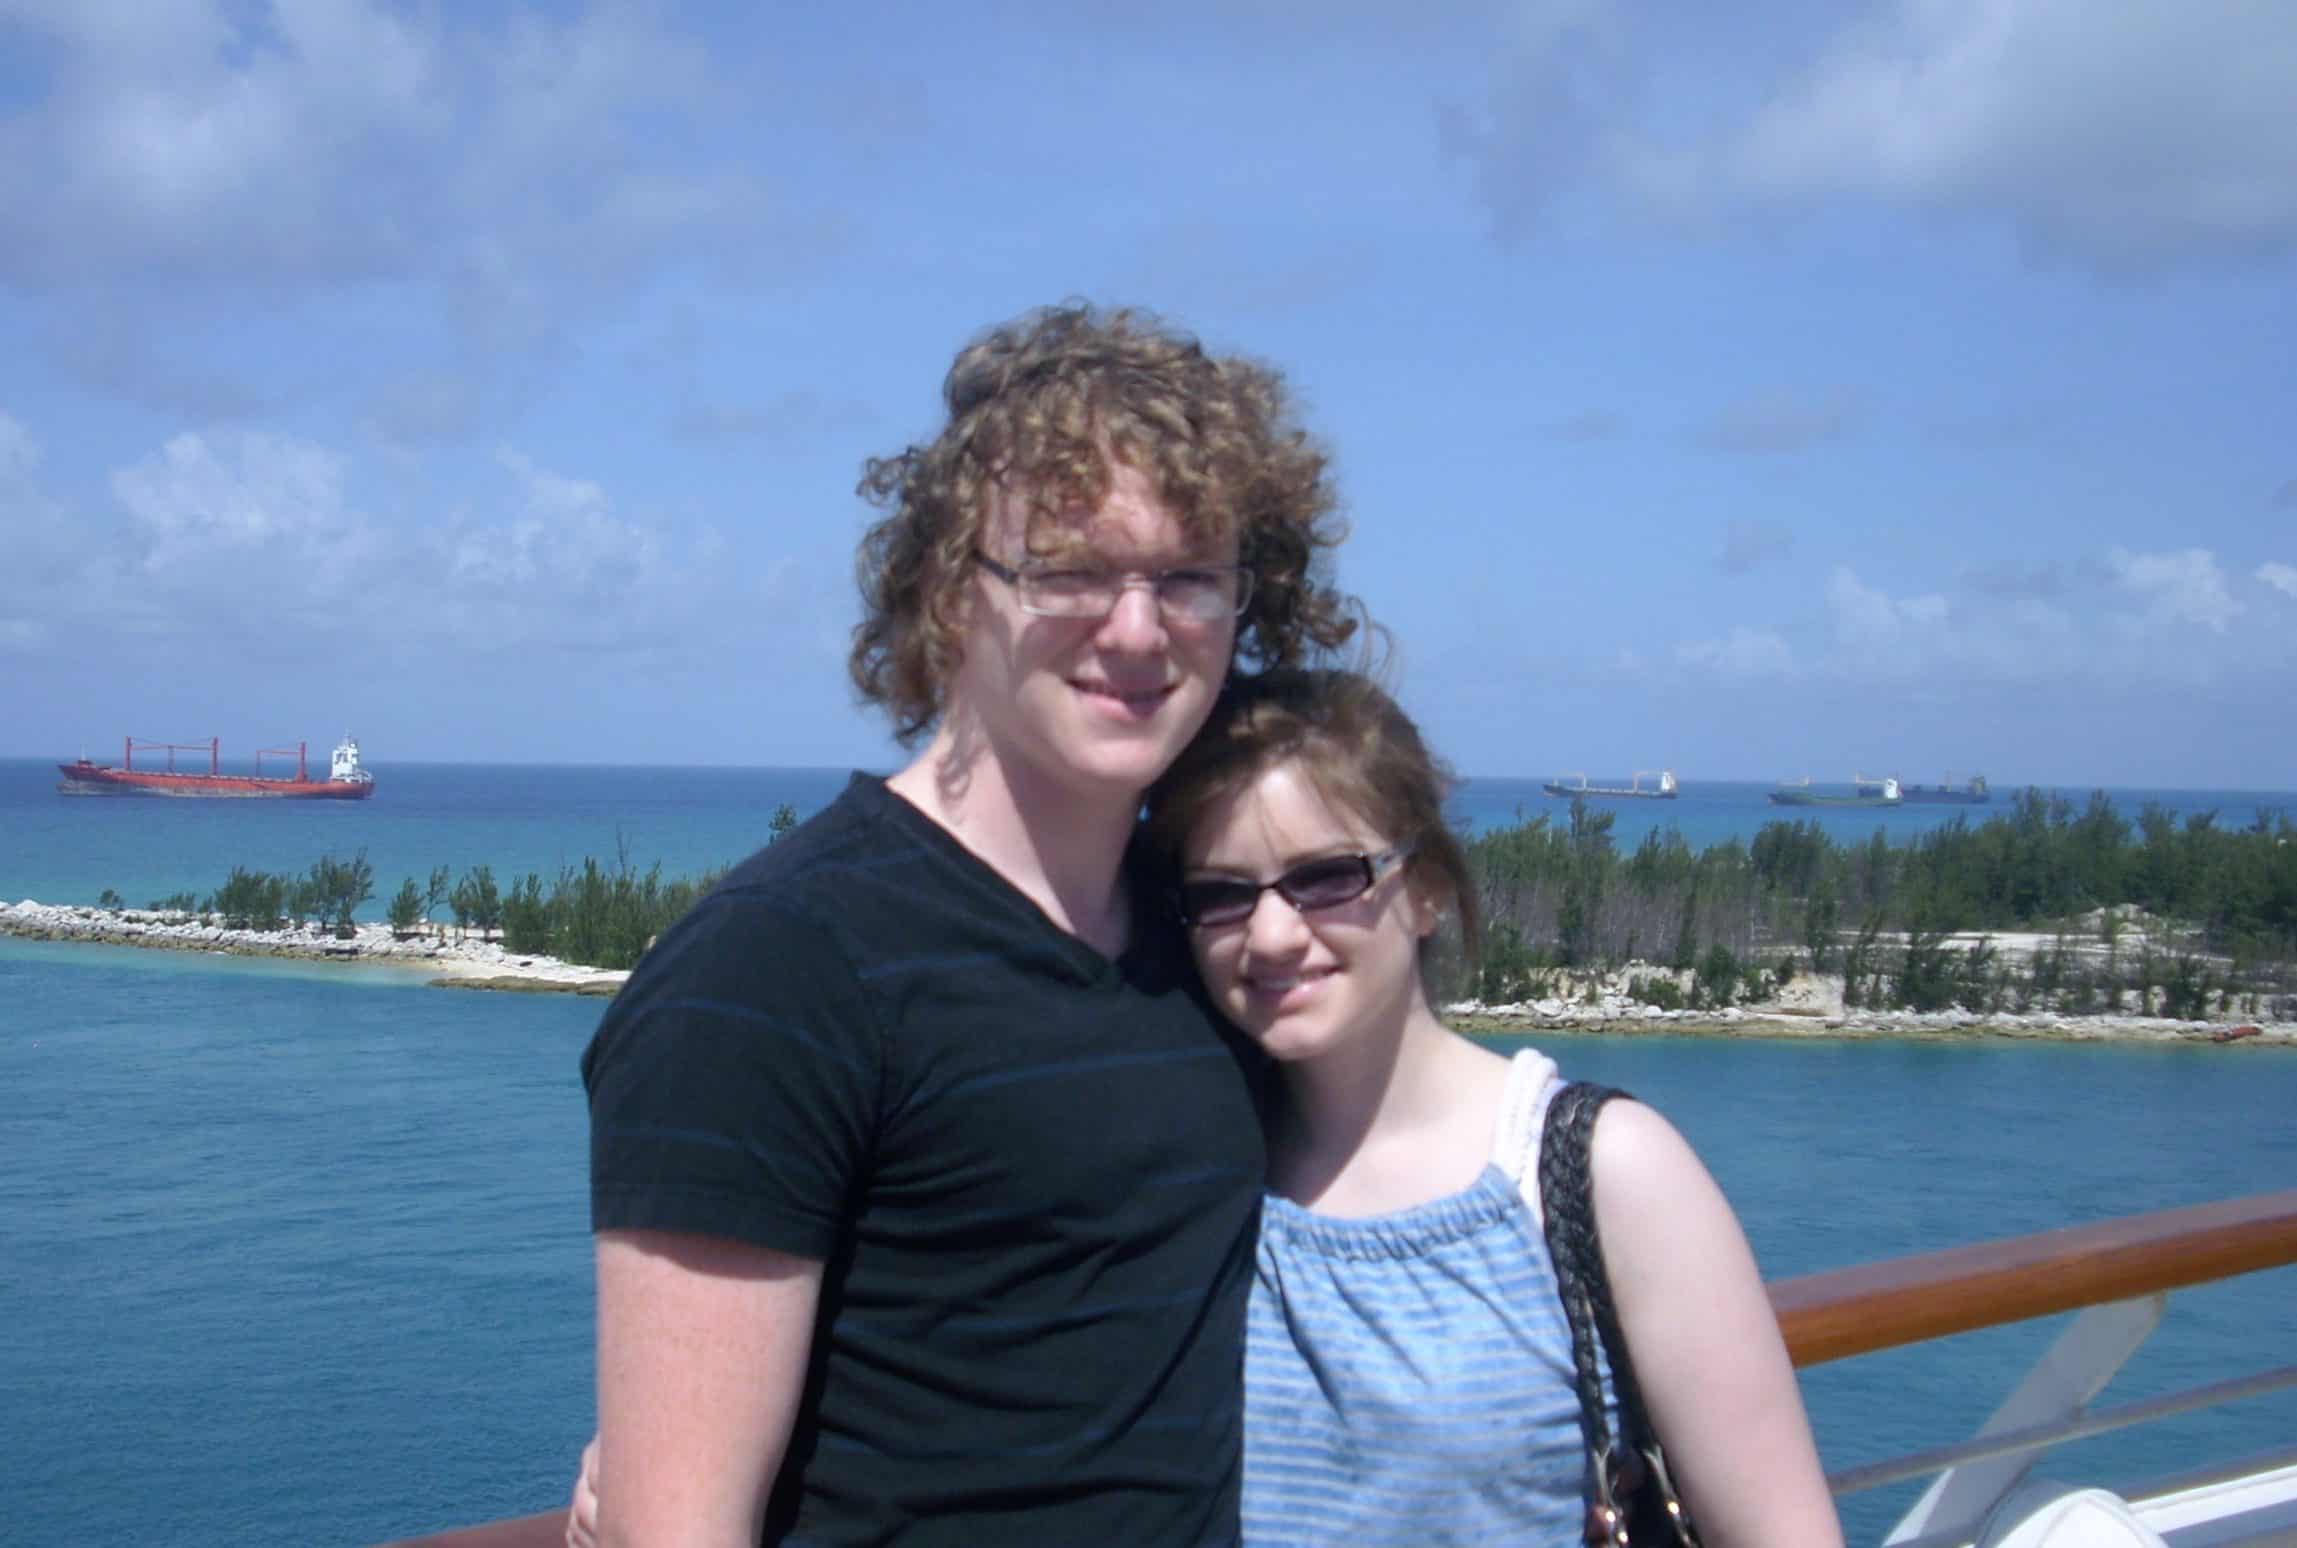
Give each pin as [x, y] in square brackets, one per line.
[546, 1530]
[1875, 1306]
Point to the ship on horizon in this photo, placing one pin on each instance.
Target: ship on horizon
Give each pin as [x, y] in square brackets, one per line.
[345, 781]
[1663, 788]
[1863, 792]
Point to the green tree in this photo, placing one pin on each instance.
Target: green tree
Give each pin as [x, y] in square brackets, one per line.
[406, 910]
[435, 896]
[477, 903]
[525, 918]
[250, 900]
[335, 889]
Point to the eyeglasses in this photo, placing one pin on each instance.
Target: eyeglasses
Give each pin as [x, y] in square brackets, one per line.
[1198, 593]
[1308, 887]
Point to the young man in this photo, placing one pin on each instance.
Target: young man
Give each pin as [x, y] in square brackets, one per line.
[924, 1178]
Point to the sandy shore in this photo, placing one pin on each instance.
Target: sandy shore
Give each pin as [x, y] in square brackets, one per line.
[1808, 1007]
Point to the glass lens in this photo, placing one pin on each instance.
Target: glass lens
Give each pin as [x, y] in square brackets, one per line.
[1325, 883]
[1217, 901]
[1065, 593]
[1198, 593]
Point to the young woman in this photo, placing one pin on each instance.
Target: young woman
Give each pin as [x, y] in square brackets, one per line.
[1408, 1365]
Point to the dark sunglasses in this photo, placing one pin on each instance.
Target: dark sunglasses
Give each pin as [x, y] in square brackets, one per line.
[1308, 886]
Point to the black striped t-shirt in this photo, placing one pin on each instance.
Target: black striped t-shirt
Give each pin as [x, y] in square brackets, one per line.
[1032, 1174]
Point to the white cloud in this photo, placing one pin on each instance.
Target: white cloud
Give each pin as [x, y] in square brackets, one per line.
[2137, 132]
[2185, 587]
[235, 489]
[2124, 135]
[1867, 620]
[1743, 652]
[504, 166]
[234, 541]
[239, 537]
[560, 566]
[1881, 638]
[2167, 619]
[42, 549]
[2143, 130]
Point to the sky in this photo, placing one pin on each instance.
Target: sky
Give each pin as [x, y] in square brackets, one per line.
[1751, 390]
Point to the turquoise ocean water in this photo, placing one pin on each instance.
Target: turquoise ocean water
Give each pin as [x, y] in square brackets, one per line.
[298, 1254]
[60, 849]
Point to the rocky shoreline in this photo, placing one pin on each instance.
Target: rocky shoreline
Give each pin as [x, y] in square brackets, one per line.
[1807, 1006]
[465, 963]
[1811, 1005]
[1478, 1019]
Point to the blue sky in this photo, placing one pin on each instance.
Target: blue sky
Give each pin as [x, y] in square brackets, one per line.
[1754, 390]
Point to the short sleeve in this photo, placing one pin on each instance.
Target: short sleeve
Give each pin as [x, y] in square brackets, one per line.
[733, 1083]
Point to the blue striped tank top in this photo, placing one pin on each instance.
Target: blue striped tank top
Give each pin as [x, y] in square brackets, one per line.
[1407, 1377]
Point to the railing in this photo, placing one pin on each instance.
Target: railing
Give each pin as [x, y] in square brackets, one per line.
[2117, 1273]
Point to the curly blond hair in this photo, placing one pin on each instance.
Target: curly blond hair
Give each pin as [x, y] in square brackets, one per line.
[1038, 408]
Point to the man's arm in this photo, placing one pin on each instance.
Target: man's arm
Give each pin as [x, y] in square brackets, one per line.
[1707, 1350]
[702, 1349]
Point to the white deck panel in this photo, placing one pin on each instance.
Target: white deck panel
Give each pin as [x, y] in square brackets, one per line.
[2255, 1507]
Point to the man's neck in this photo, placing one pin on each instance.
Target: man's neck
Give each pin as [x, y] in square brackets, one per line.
[1061, 848]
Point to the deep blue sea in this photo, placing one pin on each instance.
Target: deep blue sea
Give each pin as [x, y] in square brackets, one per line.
[297, 1254]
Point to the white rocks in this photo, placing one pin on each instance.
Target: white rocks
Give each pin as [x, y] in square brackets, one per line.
[448, 959]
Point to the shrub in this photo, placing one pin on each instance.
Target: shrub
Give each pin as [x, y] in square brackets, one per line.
[1512, 969]
[251, 900]
[475, 901]
[1658, 993]
[406, 911]
[1718, 977]
[2186, 988]
[525, 919]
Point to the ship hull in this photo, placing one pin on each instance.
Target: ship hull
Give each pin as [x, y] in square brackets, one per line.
[103, 780]
[1916, 793]
[1599, 793]
[1798, 798]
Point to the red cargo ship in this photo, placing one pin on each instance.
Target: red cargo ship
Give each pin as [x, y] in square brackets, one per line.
[346, 781]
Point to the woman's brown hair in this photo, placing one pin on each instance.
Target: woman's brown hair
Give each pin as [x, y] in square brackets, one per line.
[1354, 744]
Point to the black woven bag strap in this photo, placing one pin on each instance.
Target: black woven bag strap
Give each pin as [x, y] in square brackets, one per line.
[1567, 1198]
[1567, 1201]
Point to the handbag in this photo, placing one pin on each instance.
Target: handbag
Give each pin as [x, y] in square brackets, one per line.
[1632, 1501]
